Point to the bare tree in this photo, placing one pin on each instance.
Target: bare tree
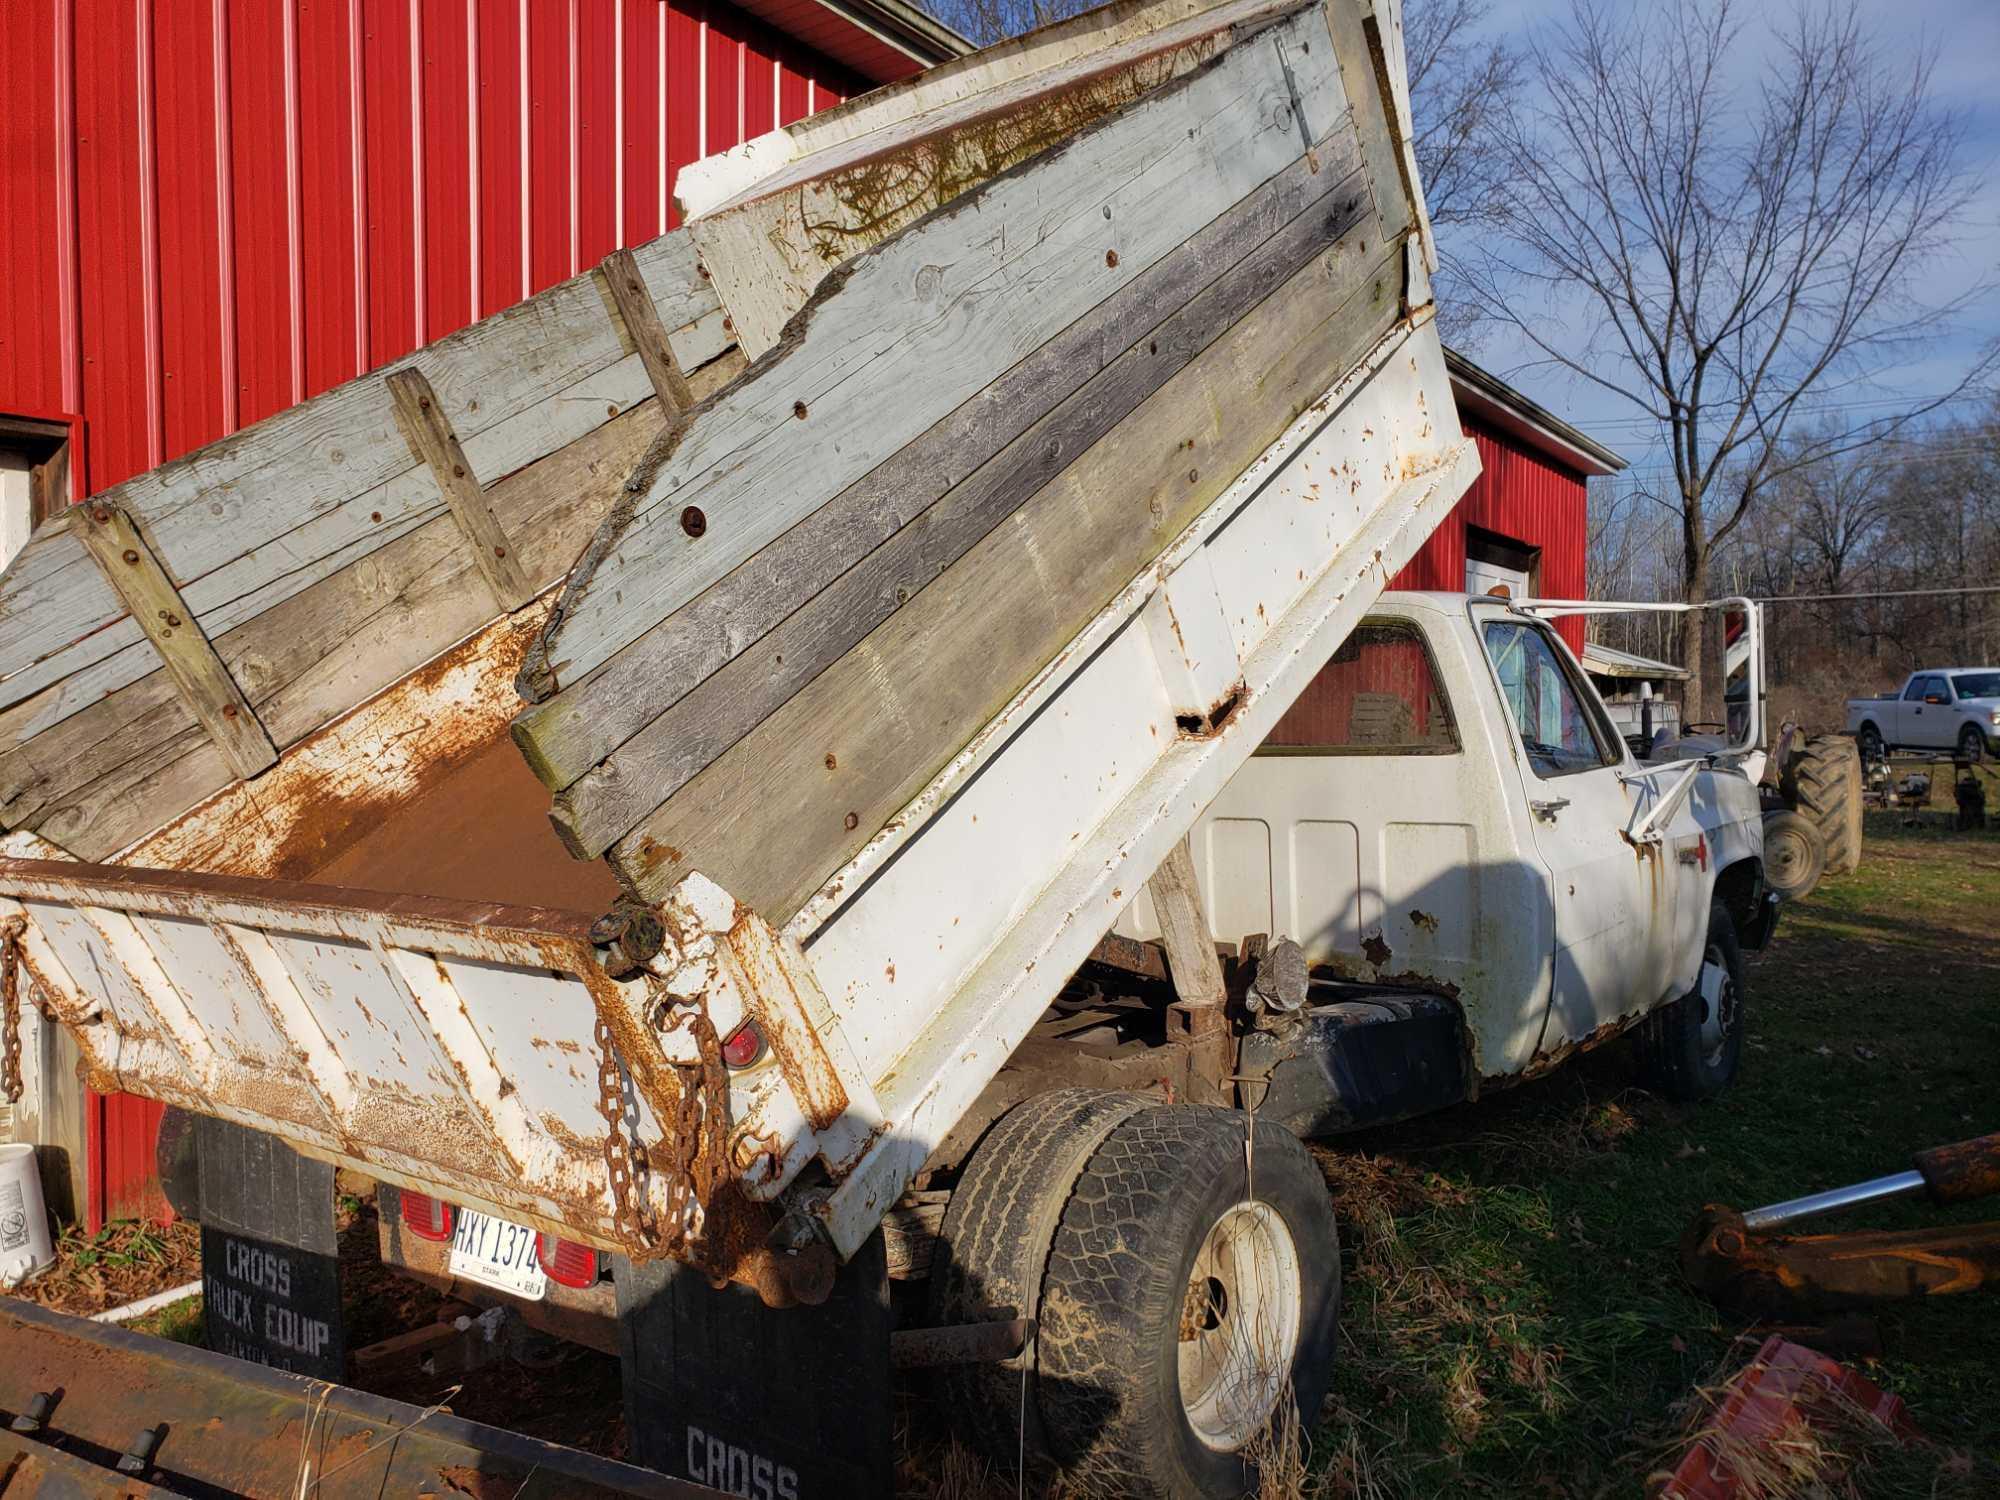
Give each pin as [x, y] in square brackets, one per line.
[1729, 255]
[985, 22]
[1463, 81]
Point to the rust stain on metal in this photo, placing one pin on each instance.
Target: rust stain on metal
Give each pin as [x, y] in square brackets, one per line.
[1961, 1172]
[1375, 949]
[797, 1048]
[1423, 919]
[1781, 1275]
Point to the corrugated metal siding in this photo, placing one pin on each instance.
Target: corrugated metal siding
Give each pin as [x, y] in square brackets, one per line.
[217, 208]
[1525, 497]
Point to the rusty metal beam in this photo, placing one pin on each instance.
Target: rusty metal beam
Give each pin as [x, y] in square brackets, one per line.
[1783, 1276]
[243, 1430]
[965, 1344]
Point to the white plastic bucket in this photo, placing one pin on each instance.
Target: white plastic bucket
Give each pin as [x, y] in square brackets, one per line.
[25, 1247]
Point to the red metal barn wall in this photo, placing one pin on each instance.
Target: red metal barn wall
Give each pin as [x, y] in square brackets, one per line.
[214, 209]
[1528, 498]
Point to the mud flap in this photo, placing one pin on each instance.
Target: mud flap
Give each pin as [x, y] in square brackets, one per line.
[772, 1404]
[270, 1265]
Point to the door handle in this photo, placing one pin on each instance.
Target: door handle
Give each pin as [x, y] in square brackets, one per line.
[1547, 810]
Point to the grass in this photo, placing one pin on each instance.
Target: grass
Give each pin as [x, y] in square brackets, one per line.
[1516, 1320]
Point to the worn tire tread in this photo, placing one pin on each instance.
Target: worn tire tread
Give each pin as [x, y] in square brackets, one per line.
[1113, 1276]
[1823, 782]
[994, 1245]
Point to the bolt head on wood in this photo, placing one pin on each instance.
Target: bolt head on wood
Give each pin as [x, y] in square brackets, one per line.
[693, 522]
[131, 557]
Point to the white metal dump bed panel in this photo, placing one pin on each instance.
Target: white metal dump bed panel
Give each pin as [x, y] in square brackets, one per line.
[442, 1044]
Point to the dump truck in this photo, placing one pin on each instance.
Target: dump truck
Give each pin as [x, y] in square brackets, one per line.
[728, 772]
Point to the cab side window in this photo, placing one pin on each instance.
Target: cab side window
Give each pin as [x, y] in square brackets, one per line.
[1914, 693]
[1558, 732]
[1377, 695]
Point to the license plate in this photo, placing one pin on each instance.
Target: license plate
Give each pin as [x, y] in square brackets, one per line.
[498, 1254]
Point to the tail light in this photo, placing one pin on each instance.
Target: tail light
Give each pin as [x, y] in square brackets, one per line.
[743, 1046]
[426, 1217]
[566, 1261]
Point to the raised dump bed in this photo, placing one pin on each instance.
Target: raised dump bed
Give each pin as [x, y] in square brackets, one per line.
[869, 585]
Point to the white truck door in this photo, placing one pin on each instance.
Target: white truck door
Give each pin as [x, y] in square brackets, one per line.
[1613, 903]
[1924, 717]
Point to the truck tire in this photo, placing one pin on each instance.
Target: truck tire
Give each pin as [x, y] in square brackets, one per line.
[1868, 740]
[1693, 1046]
[1190, 1306]
[993, 1248]
[1794, 856]
[1971, 744]
[1822, 779]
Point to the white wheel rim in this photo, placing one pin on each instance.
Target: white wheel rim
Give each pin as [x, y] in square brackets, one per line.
[1718, 1005]
[1240, 1326]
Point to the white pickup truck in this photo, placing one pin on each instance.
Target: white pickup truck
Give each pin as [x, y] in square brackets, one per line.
[1939, 708]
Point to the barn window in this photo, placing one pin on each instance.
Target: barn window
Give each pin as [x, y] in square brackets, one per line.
[34, 478]
[1378, 695]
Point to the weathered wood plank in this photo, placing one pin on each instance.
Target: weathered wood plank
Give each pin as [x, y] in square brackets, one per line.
[961, 296]
[755, 167]
[136, 759]
[245, 522]
[565, 736]
[435, 444]
[1184, 930]
[795, 799]
[644, 325]
[601, 806]
[204, 683]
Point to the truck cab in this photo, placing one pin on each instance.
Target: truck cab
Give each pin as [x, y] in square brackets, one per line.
[1449, 807]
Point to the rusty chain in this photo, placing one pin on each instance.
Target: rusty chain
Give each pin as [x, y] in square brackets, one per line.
[697, 1134]
[11, 929]
[621, 1161]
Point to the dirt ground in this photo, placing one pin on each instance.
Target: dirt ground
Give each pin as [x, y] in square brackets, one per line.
[1514, 1319]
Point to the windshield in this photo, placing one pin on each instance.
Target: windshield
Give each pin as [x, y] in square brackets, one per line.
[1977, 684]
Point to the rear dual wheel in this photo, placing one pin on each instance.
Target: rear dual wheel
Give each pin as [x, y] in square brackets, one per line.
[1186, 1295]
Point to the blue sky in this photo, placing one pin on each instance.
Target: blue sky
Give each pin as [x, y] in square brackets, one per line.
[1966, 37]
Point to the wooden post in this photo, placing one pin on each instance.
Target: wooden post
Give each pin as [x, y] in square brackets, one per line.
[136, 576]
[1199, 1020]
[649, 333]
[435, 444]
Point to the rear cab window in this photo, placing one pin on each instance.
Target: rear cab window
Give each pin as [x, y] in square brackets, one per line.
[1553, 717]
[1378, 694]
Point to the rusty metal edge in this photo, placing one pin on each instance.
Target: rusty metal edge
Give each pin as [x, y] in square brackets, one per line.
[63, 880]
[243, 1428]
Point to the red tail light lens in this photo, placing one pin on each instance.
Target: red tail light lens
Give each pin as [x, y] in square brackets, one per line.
[743, 1046]
[566, 1261]
[426, 1217]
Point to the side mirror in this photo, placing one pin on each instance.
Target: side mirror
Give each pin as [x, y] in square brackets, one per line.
[1932, 698]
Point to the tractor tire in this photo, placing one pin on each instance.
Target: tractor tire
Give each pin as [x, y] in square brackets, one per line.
[1822, 780]
[993, 1249]
[1190, 1313]
[1794, 856]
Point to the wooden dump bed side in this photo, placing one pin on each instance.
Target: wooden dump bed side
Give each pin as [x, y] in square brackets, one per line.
[967, 439]
[182, 630]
